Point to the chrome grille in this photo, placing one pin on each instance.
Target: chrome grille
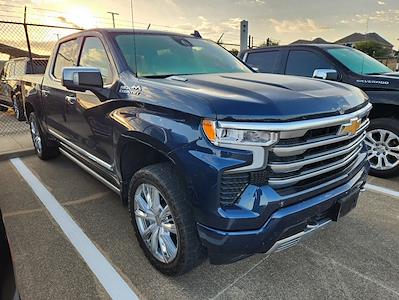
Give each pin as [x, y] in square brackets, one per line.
[305, 156]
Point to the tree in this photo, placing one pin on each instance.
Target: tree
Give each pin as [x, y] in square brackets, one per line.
[234, 52]
[372, 48]
[269, 42]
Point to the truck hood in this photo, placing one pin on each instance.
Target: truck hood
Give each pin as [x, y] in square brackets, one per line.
[261, 97]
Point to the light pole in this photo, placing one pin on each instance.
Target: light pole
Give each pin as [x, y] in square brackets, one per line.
[113, 16]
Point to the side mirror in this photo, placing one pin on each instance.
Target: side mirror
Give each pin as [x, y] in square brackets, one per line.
[81, 78]
[327, 74]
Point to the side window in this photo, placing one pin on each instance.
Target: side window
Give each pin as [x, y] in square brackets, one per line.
[20, 66]
[66, 57]
[10, 71]
[94, 55]
[5, 71]
[303, 63]
[265, 61]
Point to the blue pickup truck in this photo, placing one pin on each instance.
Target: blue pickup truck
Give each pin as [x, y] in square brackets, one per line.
[210, 157]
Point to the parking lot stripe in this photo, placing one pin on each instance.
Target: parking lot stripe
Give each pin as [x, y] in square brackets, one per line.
[110, 279]
[383, 190]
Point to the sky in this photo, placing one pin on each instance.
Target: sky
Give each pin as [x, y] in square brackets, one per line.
[281, 20]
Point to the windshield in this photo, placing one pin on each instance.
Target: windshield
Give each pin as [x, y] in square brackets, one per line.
[358, 62]
[167, 55]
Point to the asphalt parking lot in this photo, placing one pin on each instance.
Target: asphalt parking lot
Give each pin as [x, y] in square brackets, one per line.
[357, 258]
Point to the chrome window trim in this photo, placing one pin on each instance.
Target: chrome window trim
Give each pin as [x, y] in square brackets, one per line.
[82, 151]
[296, 125]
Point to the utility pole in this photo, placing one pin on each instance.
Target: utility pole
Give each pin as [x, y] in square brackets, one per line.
[113, 16]
[243, 35]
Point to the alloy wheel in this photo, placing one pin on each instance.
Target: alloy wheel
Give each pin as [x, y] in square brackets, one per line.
[155, 223]
[15, 107]
[35, 133]
[383, 149]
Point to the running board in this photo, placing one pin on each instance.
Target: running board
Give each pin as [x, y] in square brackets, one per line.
[90, 171]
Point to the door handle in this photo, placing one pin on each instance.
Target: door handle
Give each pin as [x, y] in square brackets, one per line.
[70, 100]
[45, 93]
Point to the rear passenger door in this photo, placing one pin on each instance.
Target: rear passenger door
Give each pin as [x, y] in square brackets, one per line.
[3, 82]
[54, 95]
[267, 61]
[305, 62]
[6, 83]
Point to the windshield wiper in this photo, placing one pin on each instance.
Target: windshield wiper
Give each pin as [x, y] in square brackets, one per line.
[161, 76]
[376, 73]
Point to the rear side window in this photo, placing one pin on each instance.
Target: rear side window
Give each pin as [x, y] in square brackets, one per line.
[20, 68]
[303, 63]
[39, 66]
[5, 70]
[10, 69]
[266, 62]
[94, 55]
[66, 57]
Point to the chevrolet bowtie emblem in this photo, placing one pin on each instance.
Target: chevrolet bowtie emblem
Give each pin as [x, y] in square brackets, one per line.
[350, 128]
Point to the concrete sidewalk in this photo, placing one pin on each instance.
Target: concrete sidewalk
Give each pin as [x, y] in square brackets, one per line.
[15, 140]
[15, 145]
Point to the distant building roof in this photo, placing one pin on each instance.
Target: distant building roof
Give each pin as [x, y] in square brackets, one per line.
[360, 37]
[315, 41]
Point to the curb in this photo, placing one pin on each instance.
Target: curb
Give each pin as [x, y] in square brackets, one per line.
[18, 153]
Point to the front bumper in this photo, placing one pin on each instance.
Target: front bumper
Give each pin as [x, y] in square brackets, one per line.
[285, 227]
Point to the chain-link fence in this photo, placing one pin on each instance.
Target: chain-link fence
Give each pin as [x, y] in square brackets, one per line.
[24, 49]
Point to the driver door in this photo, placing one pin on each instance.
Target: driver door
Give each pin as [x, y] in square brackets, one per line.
[87, 122]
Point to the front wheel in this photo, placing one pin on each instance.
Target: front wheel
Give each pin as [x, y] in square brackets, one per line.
[161, 216]
[42, 148]
[382, 142]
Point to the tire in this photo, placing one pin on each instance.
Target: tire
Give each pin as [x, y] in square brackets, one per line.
[43, 150]
[382, 142]
[3, 108]
[18, 108]
[172, 194]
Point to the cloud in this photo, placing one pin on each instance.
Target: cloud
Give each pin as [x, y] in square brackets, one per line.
[68, 22]
[388, 16]
[251, 2]
[381, 2]
[232, 23]
[306, 25]
[213, 29]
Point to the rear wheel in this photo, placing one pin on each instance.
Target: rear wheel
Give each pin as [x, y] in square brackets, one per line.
[162, 219]
[3, 108]
[42, 148]
[382, 142]
[18, 108]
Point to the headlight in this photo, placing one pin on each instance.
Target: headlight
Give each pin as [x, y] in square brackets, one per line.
[230, 136]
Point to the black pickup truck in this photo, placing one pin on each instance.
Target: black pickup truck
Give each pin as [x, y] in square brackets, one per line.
[208, 155]
[348, 65]
[10, 82]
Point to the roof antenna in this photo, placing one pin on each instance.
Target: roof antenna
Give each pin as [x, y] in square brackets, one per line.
[365, 41]
[134, 40]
